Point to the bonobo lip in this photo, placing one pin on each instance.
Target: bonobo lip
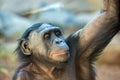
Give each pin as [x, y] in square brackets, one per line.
[60, 52]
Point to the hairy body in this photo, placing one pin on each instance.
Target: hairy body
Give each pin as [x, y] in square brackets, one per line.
[66, 59]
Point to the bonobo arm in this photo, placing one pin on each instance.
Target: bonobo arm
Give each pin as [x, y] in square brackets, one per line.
[90, 40]
[97, 33]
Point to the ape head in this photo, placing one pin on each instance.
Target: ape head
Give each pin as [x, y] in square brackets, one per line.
[43, 42]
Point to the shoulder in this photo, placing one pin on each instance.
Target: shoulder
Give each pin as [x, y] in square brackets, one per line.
[74, 37]
[22, 75]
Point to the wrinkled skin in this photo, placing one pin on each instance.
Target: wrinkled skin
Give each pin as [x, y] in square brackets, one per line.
[46, 55]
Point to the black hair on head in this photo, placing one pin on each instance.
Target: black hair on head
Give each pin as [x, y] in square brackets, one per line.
[32, 28]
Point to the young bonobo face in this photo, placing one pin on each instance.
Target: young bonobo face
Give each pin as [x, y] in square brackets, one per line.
[47, 42]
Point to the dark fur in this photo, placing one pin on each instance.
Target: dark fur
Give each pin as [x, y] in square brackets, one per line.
[85, 45]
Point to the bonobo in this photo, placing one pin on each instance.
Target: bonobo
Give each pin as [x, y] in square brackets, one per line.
[45, 54]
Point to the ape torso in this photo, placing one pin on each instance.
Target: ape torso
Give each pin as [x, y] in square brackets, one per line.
[68, 72]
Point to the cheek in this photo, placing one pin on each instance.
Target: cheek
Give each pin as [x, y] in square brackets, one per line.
[39, 48]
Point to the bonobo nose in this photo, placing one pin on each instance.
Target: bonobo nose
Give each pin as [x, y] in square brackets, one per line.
[60, 44]
[58, 41]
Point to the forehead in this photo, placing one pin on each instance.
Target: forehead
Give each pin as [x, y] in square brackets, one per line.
[43, 26]
[47, 27]
[43, 29]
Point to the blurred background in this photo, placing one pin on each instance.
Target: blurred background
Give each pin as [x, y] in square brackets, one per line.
[70, 15]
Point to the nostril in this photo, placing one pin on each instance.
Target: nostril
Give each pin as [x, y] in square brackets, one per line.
[58, 42]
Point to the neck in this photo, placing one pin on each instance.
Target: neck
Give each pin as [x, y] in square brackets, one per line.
[50, 69]
[47, 69]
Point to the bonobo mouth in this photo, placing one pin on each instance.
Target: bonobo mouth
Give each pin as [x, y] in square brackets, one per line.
[60, 55]
[60, 52]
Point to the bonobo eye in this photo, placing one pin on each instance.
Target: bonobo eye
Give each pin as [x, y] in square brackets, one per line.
[58, 33]
[47, 36]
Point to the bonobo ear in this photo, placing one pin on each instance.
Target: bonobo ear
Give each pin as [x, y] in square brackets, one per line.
[25, 47]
